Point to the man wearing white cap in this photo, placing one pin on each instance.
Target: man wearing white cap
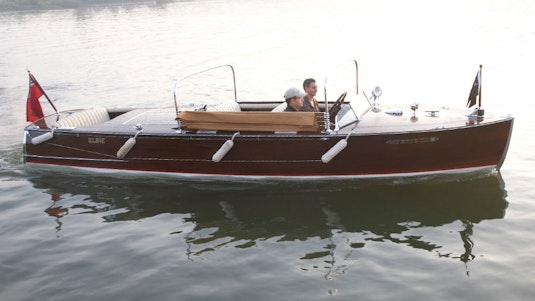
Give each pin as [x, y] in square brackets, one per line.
[294, 99]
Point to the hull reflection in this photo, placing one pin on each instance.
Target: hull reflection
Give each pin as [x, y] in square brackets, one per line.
[244, 213]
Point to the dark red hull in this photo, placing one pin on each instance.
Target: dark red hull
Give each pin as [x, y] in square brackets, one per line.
[480, 146]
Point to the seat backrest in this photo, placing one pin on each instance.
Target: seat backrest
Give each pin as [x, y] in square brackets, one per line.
[225, 107]
[280, 108]
[84, 118]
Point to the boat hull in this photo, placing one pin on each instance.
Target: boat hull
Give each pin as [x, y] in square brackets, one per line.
[474, 147]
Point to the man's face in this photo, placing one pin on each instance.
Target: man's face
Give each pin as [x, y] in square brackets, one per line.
[311, 89]
[297, 102]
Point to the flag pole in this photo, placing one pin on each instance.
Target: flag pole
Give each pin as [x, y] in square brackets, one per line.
[480, 84]
[43, 91]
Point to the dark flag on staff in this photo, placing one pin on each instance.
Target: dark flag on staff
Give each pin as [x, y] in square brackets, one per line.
[476, 91]
[33, 106]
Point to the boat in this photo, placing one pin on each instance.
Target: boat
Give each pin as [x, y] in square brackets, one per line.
[355, 138]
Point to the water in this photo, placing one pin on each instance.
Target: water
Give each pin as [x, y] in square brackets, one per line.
[78, 236]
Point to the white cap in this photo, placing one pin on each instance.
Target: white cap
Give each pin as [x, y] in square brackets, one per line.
[293, 92]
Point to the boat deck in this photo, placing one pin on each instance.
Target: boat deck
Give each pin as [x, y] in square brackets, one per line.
[388, 119]
[424, 119]
[153, 120]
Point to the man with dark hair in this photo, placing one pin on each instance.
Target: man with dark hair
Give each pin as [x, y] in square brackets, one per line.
[294, 99]
[310, 104]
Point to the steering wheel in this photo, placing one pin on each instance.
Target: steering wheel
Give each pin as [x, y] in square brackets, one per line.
[337, 106]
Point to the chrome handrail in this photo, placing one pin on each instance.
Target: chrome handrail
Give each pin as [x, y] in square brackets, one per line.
[196, 73]
[356, 81]
[325, 88]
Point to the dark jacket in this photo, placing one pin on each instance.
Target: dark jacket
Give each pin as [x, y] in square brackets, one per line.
[290, 109]
[307, 107]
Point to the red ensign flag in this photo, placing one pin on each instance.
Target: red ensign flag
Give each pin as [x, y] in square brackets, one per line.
[33, 107]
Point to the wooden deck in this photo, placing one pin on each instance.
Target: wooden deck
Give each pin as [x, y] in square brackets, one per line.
[162, 121]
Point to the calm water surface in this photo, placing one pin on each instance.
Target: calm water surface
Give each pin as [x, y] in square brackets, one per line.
[73, 236]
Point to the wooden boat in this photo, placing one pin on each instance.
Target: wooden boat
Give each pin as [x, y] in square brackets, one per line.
[353, 139]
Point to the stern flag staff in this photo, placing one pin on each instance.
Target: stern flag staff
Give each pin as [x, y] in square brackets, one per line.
[33, 108]
[476, 90]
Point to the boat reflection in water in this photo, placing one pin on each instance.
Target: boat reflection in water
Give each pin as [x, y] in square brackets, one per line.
[244, 214]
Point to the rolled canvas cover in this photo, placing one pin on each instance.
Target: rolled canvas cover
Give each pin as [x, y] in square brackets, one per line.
[252, 121]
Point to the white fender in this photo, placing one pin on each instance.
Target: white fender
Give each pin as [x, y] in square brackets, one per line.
[223, 150]
[43, 138]
[127, 146]
[335, 150]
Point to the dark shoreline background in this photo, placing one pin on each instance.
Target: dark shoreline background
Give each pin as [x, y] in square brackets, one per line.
[22, 5]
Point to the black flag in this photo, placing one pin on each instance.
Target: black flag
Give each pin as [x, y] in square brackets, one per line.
[475, 92]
